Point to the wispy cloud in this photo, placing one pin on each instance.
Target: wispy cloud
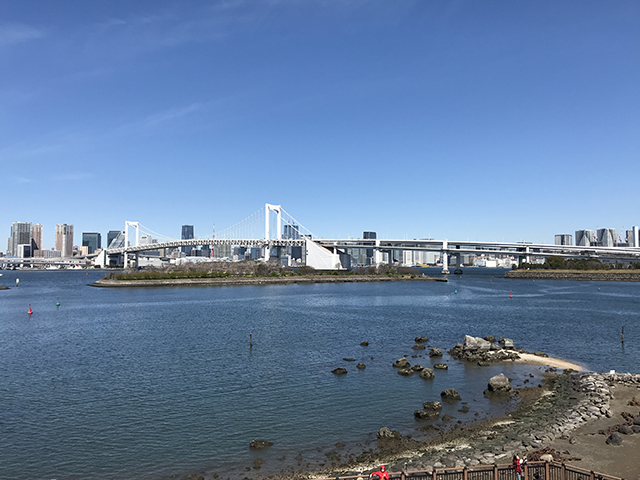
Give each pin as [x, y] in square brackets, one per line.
[12, 33]
[22, 180]
[159, 118]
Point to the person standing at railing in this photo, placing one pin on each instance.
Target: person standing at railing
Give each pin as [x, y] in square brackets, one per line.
[517, 465]
[382, 474]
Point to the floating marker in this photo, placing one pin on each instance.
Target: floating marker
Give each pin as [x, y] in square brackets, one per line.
[455, 291]
[17, 281]
[510, 294]
[30, 311]
[598, 288]
[57, 302]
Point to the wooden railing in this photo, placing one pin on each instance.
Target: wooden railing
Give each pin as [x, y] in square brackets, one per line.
[531, 471]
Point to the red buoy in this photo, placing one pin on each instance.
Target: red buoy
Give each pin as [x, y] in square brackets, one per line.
[30, 311]
[510, 294]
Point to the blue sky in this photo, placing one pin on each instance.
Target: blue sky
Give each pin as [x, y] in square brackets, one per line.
[485, 120]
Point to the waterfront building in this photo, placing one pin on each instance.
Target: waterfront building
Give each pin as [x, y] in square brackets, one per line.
[64, 239]
[563, 239]
[93, 240]
[187, 234]
[585, 238]
[607, 237]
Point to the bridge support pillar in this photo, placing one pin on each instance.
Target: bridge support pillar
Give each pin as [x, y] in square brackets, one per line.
[445, 260]
[267, 252]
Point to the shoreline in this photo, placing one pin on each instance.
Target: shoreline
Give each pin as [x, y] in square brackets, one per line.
[560, 418]
[231, 281]
[531, 359]
[578, 275]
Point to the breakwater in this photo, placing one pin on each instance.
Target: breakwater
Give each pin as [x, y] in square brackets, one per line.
[594, 276]
[230, 281]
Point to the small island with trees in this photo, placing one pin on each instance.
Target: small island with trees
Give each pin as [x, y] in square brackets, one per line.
[559, 268]
[251, 272]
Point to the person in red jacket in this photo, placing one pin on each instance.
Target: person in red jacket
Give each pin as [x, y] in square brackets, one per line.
[517, 465]
[382, 474]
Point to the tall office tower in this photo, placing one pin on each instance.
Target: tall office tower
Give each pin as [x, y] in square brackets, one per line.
[607, 237]
[93, 240]
[632, 237]
[585, 238]
[20, 235]
[564, 239]
[369, 235]
[291, 232]
[187, 233]
[64, 239]
[112, 235]
[36, 240]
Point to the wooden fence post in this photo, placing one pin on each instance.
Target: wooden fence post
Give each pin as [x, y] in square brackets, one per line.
[547, 473]
[465, 475]
[525, 472]
[495, 471]
[434, 474]
[563, 472]
[592, 475]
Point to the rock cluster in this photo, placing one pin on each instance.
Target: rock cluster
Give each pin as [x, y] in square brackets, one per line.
[476, 349]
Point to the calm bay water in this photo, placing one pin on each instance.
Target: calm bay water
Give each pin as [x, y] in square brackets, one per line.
[148, 383]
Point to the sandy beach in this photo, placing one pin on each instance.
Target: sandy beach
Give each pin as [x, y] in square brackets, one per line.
[531, 359]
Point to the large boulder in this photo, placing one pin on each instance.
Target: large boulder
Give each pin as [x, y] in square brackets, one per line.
[625, 429]
[476, 343]
[441, 366]
[450, 394]
[505, 342]
[435, 352]
[499, 384]
[418, 346]
[259, 444]
[339, 371]
[427, 374]
[421, 340]
[417, 368]
[402, 363]
[387, 433]
[405, 372]
[614, 439]
[432, 406]
[490, 338]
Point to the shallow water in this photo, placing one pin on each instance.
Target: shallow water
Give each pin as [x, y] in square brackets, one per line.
[147, 383]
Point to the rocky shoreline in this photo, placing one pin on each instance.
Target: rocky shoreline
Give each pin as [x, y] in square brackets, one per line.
[552, 411]
[596, 275]
[232, 281]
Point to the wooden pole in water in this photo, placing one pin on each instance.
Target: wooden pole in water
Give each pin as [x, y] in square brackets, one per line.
[251, 340]
[623, 335]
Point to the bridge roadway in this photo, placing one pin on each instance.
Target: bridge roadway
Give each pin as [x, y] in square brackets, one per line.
[518, 249]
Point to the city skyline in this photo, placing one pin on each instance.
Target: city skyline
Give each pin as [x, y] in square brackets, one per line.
[469, 120]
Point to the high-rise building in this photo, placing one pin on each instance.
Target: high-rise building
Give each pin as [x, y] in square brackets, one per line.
[585, 238]
[112, 235]
[187, 234]
[36, 240]
[564, 239]
[373, 236]
[291, 232]
[632, 237]
[93, 240]
[607, 237]
[64, 239]
[20, 235]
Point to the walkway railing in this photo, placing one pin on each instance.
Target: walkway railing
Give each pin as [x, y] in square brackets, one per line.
[531, 471]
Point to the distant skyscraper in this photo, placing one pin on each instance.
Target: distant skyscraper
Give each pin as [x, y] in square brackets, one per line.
[585, 238]
[632, 237]
[187, 234]
[564, 239]
[20, 235]
[93, 240]
[36, 240]
[291, 232]
[64, 239]
[111, 235]
[373, 236]
[607, 237]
